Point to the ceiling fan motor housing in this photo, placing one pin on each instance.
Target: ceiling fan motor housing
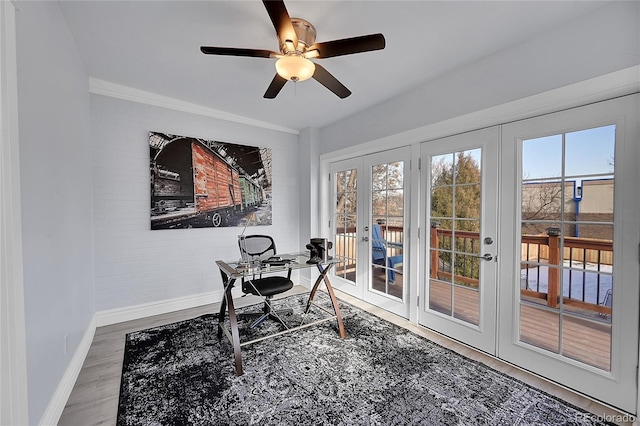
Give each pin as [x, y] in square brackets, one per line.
[306, 35]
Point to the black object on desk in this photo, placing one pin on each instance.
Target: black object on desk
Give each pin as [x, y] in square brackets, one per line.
[230, 272]
[319, 250]
[277, 261]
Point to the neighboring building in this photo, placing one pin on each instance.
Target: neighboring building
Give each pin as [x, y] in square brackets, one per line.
[584, 201]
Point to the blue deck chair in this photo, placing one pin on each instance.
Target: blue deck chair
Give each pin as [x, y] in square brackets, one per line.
[608, 301]
[379, 247]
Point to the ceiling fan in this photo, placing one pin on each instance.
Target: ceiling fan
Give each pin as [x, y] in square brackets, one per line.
[297, 46]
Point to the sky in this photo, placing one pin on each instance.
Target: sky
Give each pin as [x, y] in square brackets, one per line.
[587, 152]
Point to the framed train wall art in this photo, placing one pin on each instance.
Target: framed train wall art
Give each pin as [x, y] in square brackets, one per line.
[197, 183]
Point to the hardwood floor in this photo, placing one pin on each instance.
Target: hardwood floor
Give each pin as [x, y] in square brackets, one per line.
[94, 398]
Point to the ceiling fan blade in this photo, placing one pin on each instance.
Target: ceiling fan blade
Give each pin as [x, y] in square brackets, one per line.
[234, 51]
[330, 82]
[274, 88]
[348, 46]
[281, 21]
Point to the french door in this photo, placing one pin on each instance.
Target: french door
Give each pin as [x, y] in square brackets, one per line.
[370, 199]
[529, 242]
[569, 254]
[459, 250]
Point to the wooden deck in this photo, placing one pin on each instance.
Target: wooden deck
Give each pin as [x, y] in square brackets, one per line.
[585, 340]
[384, 286]
[379, 283]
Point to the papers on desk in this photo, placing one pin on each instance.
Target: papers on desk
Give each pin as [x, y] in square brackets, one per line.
[277, 261]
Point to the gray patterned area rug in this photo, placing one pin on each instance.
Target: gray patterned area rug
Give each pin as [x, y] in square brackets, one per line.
[381, 374]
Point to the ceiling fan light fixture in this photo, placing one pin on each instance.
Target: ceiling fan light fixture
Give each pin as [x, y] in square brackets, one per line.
[295, 68]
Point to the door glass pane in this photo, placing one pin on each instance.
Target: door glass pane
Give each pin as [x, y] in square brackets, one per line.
[468, 168]
[440, 297]
[466, 236]
[387, 230]
[441, 202]
[542, 157]
[566, 264]
[540, 327]
[542, 200]
[455, 234]
[345, 223]
[590, 151]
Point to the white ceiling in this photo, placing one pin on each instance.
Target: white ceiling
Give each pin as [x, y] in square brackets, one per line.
[155, 46]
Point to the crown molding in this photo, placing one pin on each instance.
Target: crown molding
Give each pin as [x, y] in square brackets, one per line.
[114, 90]
[607, 86]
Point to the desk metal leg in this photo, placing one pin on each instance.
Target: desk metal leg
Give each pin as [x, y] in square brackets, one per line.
[228, 285]
[235, 335]
[323, 277]
[233, 320]
[223, 311]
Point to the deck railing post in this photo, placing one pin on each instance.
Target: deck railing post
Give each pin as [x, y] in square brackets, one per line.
[555, 259]
[434, 243]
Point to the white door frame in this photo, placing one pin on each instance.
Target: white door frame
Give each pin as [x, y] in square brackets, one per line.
[618, 387]
[386, 302]
[350, 287]
[597, 89]
[482, 336]
[364, 228]
[13, 358]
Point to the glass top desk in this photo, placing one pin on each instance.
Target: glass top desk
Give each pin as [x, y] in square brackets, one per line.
[231, 271]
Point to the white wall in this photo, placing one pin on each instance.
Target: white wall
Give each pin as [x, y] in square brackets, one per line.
[309, 170]
[134, 265]
[601, 42]
[56, 191]
[87, 243]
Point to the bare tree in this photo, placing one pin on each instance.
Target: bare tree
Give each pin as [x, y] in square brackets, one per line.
[541, 200]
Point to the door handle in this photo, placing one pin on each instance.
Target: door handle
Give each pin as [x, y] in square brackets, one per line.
[486, 256]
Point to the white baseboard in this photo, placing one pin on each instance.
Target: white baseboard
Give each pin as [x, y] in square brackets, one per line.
[114, 316]
[305, 281]
[59, 399]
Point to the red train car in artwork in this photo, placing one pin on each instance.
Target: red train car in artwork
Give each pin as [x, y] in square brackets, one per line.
[194, 185]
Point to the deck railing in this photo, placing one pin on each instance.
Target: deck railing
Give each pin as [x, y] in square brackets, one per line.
[346, 240]
[536, 250]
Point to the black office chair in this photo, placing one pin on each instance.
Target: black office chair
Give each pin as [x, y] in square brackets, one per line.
[262, 247]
